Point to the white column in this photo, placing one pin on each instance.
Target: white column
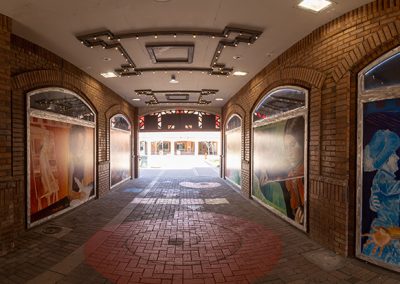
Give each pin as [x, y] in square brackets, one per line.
[172, 147]
[148, 146]
[196, 147]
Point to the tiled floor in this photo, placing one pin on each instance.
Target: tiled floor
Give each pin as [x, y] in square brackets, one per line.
[177, 230]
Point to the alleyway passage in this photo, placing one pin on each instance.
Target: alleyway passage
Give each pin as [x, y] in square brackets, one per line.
[177, 230]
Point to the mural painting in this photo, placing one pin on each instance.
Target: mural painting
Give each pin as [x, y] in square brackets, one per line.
[380, 189]
[233, 155]
[61, 166]
[278, 179]
[120, 155]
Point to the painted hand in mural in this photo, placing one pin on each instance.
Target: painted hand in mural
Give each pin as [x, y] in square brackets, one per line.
[264, 178]
[83, 190]
[299, 216]
[374, 202]
[381, 237]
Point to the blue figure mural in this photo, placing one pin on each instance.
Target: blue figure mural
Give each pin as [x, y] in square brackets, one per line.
[380, 220]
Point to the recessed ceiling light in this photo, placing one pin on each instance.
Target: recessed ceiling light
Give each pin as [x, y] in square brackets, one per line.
[219, 99]
[240, 73]
[109, 75]
[136, 99]
[315, 5]
[173, 80]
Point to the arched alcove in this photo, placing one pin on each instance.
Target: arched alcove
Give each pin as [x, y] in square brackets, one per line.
[378, 143]
[120, 149]
[279, 130]
[233, 149]
[61, 153]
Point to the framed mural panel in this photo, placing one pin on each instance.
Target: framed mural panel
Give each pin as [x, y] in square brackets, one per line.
[120, 149]
[378, 152]
[61, 153]
[233, 142]
[279, 168]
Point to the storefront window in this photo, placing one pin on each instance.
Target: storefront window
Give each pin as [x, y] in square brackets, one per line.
[208, 148]
[160, 148]
[184, 148]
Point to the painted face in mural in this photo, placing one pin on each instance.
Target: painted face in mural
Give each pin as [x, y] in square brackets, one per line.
[293, 141]
[392, 164]
[293, 149]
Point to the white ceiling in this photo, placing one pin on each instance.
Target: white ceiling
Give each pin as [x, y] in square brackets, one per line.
[54, 24]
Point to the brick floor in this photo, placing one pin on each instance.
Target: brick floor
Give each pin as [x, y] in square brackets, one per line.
[175, 230]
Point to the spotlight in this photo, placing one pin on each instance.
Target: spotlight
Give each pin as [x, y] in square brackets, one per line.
[173, 79]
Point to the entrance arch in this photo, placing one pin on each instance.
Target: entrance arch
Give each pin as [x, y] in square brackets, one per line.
[180, 139]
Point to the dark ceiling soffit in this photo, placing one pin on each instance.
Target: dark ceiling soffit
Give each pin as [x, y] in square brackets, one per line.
[109, 40]
[154, 101]
[151, 50]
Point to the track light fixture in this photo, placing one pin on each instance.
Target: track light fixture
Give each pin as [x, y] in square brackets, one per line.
[229, 36]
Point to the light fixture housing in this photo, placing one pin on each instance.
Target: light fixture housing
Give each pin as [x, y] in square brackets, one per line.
[173, 79]
[239, 73]
[219, 99]
[135, 99]
[108, 74]
[315, 5]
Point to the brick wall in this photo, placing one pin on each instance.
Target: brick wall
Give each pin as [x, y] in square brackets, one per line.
[24, 67]
[327, 63]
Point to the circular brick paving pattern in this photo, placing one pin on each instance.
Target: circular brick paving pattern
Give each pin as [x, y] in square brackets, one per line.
[180, 242]
[195, 247]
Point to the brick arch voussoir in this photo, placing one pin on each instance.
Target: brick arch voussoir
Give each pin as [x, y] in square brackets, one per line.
[376, 43]
[118, 109]
[235, 110]
[304, 76]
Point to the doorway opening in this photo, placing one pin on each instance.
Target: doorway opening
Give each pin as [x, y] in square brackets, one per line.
[180, 143]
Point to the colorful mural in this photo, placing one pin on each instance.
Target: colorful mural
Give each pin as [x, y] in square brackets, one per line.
[120, 155]
[233, 155]
[61, 166]
[380, 189]
[278, 179]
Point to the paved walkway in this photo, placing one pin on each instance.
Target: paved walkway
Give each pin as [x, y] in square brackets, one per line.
[177, 230]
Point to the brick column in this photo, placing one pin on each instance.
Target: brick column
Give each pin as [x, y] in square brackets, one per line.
[7, 185]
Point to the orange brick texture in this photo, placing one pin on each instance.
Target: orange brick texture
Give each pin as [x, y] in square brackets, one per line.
[24, 67]
[327, 63]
